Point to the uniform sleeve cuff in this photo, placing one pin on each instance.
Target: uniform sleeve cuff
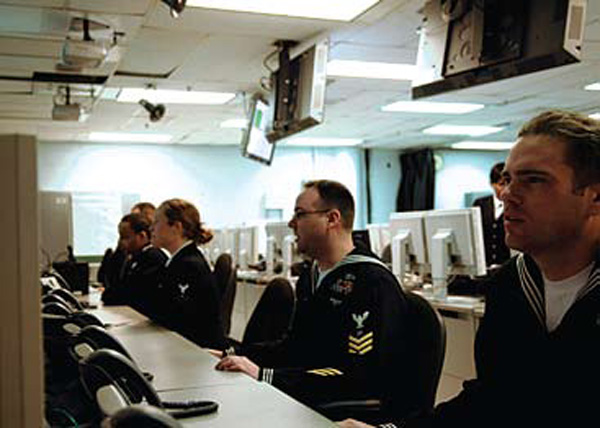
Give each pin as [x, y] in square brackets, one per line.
[229, 351]
[266, 375]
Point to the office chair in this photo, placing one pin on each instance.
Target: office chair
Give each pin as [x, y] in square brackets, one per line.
[225, 279]
[272, 315]
[427, 346]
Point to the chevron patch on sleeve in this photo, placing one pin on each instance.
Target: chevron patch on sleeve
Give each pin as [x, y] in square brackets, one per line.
[360, 344]
[325, 372]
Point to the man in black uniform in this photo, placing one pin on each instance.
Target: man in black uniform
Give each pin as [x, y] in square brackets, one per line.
[538, 346]
[496, 251]
[144, 264]
[348, 336]
[347, 340]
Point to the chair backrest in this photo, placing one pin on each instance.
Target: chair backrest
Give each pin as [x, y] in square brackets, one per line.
[272, 315]
[428, 349]
[225, 279]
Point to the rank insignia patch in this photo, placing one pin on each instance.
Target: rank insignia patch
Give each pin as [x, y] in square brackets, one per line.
[325, 372]
[183, 288]
[360, 345]
[360, 319]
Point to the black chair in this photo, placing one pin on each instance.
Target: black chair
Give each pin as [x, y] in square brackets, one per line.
[272, 315]
[225, 279]
[427, 347]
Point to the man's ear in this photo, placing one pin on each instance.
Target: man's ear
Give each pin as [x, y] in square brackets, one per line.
[595, 198]
[334, 217]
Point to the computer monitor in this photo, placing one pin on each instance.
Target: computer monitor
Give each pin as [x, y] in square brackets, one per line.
[299, 84]
[455, 243]
[409, 247]
[379, 237]
[247, 246]
[255, 145]
[276, 233]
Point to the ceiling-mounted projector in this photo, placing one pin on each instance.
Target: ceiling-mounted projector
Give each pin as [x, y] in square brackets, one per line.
[68, 112]
[83, 53]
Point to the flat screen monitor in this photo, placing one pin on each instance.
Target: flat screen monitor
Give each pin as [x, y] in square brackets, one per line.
[248, 246]
[409, 246]
[455, 244]
[298, 95]
[280, 245]
[379, 236]
[255, 144]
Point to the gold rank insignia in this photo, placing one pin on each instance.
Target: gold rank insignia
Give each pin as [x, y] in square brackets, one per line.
[326, 372]
[360, 345]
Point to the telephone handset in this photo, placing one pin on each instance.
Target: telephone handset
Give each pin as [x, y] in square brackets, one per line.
[114, 382]
[92, 338]
[68, 297]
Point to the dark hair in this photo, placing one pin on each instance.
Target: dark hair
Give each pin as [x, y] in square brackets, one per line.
[189, 217]
[138, 223]
[335, 195]
[496, 173]
[581, 137]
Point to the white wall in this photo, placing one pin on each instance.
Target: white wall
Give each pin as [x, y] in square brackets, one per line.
[463, 171]
[227, 188]
[384, 176]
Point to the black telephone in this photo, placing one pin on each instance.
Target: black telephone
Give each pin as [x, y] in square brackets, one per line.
[114, 382]
[68, 297]
[139, 415]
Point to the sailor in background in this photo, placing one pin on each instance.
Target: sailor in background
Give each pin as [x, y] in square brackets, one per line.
[492, 208]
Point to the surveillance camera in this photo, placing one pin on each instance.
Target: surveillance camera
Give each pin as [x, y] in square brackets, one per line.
[156, 111]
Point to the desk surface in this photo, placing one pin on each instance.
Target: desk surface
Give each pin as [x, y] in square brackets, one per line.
[257, 405]
[174, 361]
[183, 371]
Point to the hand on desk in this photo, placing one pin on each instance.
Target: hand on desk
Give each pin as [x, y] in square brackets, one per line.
[352, 423]
[239, 364]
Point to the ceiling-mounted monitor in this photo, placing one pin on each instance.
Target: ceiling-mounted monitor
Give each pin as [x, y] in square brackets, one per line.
[298, 95]
[465, 43]
[255, 144]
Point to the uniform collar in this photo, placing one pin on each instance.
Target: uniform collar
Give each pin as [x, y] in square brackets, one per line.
[532, 284]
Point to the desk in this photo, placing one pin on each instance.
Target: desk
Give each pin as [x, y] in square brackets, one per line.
[183, 371]
[174, 361]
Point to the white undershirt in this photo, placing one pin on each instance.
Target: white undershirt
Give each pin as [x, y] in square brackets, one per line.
[560, 295]
[498, 207]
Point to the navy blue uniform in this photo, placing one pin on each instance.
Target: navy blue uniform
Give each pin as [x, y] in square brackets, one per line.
[187, 299]
[347, 339]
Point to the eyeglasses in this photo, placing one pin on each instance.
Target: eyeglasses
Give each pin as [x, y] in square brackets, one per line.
[299, 214]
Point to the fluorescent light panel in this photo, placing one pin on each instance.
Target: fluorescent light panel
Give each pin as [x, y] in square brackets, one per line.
[323, 142]
[432, 107]
[125, 137]
[593, 87]
[474, 131]
[371, 70]
[170, 96]
[239, 123]
[336, 10]
[483, 145]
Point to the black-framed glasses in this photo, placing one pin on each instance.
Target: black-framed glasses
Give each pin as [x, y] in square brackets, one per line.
[299, 214]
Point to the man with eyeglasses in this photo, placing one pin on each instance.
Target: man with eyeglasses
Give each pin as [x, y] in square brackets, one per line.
[537, 350]
[348, 337]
